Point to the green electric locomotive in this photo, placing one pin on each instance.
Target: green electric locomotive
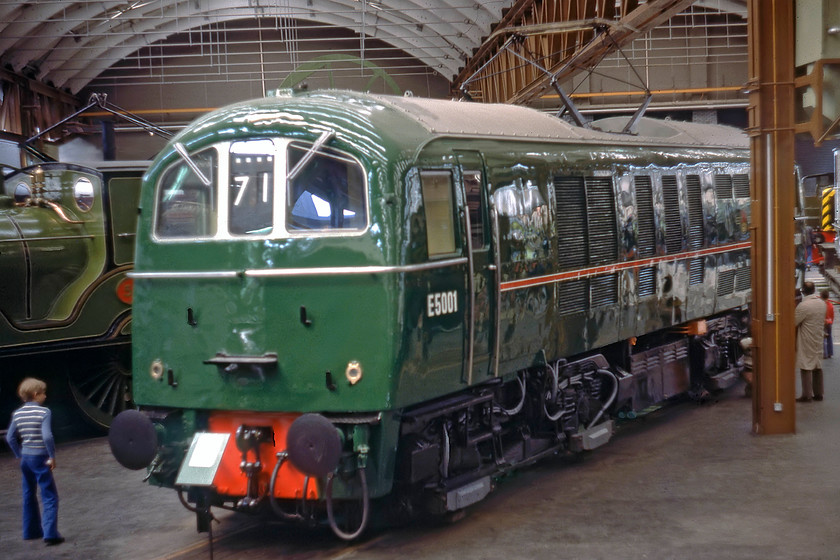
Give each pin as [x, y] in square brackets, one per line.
[66, 244]
[345, 302]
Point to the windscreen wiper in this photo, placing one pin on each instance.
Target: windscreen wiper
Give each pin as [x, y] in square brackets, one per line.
[182, 151]
[325, 137]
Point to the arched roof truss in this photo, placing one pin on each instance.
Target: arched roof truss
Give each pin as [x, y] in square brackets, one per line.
[68, 44]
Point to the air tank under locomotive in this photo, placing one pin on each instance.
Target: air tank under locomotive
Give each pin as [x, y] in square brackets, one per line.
[346, 301]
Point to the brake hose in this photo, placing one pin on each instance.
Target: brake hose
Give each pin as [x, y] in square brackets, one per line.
[365, 507]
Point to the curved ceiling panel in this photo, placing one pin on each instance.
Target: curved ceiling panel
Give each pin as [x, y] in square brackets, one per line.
[67, 44]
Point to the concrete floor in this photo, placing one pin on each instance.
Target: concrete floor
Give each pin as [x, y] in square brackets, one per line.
[687, 482]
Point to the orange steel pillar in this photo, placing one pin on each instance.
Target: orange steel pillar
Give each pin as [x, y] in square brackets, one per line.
[771, 128]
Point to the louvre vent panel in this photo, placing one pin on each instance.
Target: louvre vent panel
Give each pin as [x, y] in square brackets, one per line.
[726, 282]
[742, 279]
[673, 225]
[647, 281]
[741, 185]
[572, 297]
[603, 290]
[695, 212]
[723, 187]
[571, 221]
[602, 228]
[644, 209]
[696, 271]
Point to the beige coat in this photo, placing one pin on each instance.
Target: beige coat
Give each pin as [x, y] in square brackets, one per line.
[810, 318]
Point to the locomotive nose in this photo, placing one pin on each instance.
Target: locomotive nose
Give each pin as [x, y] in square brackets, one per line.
[314, 445]
[133, 439]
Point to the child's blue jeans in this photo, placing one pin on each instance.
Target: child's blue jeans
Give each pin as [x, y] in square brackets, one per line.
[37, 474]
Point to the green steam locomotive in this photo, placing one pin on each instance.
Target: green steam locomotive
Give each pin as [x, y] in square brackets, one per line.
[66, 243]
[349, 303]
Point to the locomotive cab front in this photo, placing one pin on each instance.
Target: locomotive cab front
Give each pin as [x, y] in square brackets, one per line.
[239, 238]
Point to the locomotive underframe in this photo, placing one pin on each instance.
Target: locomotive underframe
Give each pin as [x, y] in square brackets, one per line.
[451, 449]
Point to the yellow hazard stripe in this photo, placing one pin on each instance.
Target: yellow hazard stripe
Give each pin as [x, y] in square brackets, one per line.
[827, 209]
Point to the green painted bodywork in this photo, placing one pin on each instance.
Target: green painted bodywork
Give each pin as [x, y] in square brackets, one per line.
[62, 263]
[380, 319]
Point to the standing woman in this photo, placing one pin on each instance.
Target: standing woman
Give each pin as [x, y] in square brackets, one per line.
[810, 332]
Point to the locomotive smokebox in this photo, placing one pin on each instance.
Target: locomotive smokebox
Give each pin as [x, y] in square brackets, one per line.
[133, 439]
[313, 445]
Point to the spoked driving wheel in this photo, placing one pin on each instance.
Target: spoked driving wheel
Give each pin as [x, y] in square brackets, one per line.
[102, 387]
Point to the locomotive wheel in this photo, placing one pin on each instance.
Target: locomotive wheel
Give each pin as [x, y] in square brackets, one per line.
[102, 389]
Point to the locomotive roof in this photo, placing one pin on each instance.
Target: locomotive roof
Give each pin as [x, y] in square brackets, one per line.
[413, 121]
[452, 118]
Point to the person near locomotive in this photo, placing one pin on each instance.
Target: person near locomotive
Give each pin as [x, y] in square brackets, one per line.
[31, 439]
[810, 329]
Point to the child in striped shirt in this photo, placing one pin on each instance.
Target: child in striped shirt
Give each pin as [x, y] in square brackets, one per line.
[31, 439]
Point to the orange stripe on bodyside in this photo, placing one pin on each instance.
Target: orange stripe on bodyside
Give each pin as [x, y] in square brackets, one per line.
[618, 266]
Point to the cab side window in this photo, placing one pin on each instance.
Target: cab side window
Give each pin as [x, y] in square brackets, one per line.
[440, 212]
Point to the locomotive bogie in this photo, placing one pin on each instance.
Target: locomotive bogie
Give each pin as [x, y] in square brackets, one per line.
[455, 290]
